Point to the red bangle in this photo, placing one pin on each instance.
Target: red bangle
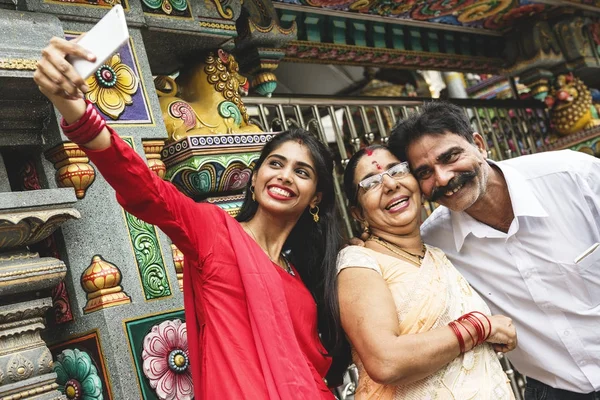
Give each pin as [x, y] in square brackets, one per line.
[469, 333]
[461, 341]
[479, 326]
[488, 321]
[86, 128]
[475, 324]
[77, 124]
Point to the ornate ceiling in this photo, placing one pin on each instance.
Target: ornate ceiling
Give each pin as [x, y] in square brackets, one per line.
[494, 15]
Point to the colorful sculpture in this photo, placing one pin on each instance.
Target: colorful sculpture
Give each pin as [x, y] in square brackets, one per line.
[166, 361]
[571, 107]
[72, 167]
[77, 377]
[101, 282]
[210, 101]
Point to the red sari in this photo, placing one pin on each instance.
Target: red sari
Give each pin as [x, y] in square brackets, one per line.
[252, 327]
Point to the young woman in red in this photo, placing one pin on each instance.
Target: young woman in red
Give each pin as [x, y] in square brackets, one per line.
[257, 290]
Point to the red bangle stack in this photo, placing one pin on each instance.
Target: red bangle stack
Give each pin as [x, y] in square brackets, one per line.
[456, 330]
[87, 128]
[475, 322]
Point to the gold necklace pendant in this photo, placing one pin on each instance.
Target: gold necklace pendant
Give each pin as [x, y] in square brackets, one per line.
[419, 258]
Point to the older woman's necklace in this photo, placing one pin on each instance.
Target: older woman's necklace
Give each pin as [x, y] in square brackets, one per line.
[399, 251]
[288, 267]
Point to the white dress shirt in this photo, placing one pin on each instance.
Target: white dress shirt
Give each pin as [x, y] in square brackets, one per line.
[530, 274]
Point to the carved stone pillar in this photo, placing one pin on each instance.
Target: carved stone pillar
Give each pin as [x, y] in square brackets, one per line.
[259, 43]
[25, 361]
[26, 369]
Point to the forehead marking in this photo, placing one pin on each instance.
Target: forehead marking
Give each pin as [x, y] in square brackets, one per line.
[375, 163]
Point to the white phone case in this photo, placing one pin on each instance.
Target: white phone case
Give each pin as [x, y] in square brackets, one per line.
[103, 40]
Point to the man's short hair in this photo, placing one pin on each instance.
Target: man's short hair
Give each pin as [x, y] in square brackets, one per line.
[434, 118]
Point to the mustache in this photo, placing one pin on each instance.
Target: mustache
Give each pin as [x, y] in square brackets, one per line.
[455, 182]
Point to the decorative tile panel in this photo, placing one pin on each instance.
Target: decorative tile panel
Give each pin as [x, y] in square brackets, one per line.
[148, 255]
[137, 330]
[88, 353]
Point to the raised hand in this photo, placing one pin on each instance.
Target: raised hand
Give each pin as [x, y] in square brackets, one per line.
[55, 76]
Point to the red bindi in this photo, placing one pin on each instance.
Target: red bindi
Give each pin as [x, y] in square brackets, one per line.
[369, 152]
[375, 163]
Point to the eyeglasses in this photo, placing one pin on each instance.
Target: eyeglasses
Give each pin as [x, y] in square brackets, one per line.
[371, 183]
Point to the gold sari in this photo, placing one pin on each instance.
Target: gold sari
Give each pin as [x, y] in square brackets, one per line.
[426, 298]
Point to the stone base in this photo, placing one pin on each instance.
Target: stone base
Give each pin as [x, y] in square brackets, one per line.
[26, 368]
[37, 388]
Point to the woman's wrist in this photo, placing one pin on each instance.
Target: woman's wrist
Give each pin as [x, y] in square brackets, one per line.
[70, 110]
[471, 330]
[89, 126]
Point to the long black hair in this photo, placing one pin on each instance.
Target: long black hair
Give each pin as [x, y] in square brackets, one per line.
[313, 246]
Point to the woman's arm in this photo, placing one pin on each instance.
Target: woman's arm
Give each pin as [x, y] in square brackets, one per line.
[139, 190]
[370, 319]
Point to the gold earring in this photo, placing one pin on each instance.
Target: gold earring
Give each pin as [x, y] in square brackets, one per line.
[366, 228]
[252, 191]
[315, 214]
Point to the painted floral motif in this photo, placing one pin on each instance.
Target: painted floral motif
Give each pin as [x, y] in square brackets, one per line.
[112, 87]
[166, 361]
[488, 14]
[77, 376]
[167, 6]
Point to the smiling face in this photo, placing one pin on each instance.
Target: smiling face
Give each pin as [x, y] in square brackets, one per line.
[394, 205]
[286, 182]
[449, 169]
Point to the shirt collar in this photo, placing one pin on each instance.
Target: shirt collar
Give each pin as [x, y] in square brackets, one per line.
[524, 203]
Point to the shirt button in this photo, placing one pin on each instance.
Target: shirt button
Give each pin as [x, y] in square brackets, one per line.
[325, 381]
[528, 274]
[567, 332]
[582, 362]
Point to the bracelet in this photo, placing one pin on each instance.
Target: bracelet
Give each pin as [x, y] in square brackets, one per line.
[461, 341]
[478, 325]
[488, 321]
[67, 129]
[86, 128]
[469, 333]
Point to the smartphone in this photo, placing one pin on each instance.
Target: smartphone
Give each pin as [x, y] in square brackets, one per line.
[103, 40]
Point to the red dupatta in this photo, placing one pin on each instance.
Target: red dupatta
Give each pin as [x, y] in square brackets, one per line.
[284, 366]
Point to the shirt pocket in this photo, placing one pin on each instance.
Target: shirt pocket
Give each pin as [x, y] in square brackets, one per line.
[585, 275]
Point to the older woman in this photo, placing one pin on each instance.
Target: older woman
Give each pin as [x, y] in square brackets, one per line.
[417, 329]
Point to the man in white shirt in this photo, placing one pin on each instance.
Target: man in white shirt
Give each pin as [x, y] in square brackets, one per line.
[525, 233]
